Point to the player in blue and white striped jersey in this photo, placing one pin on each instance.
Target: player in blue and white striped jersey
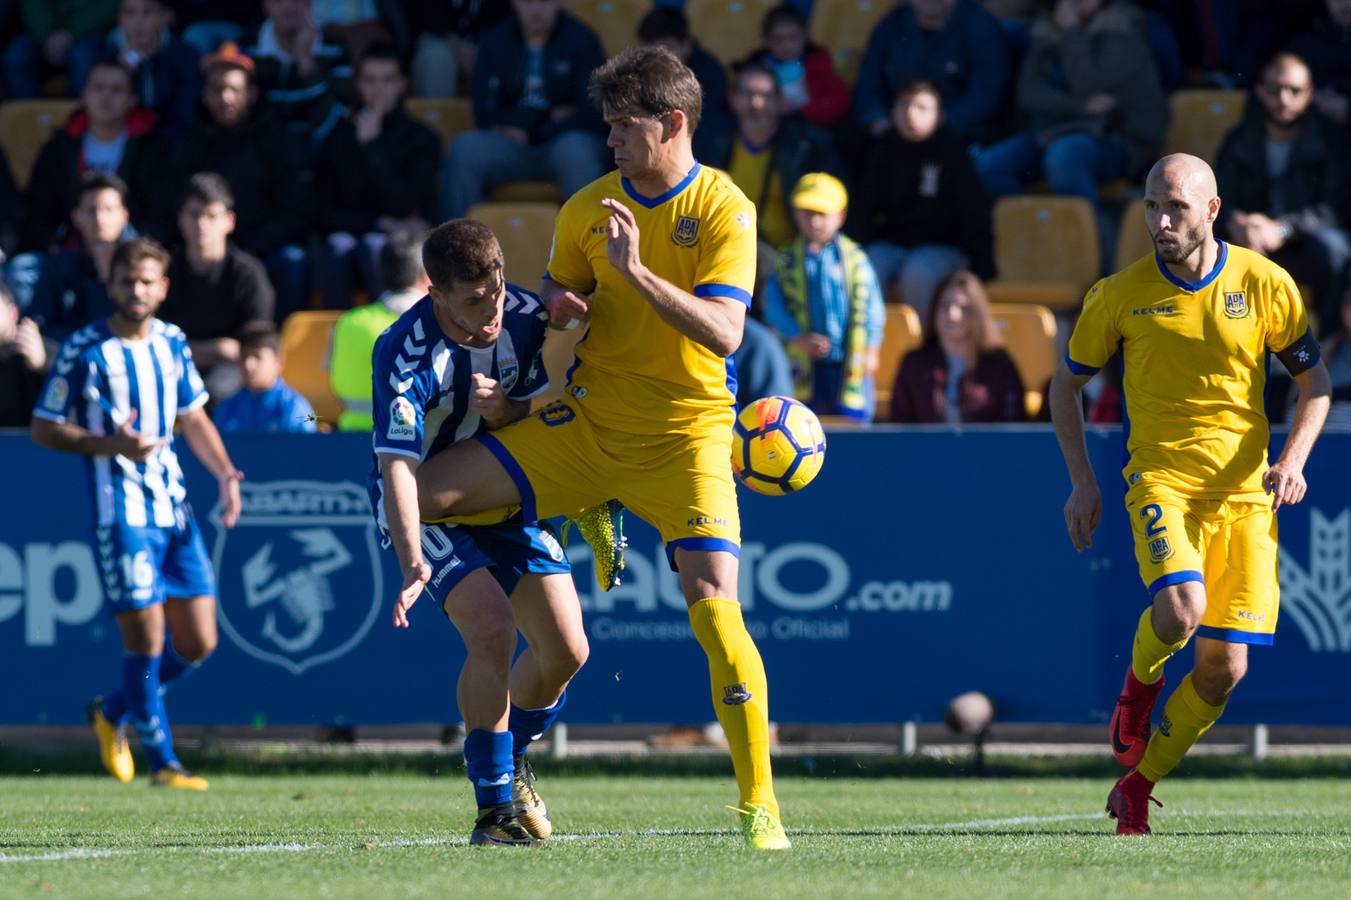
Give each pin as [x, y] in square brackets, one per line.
[464, 360]
[115, 393]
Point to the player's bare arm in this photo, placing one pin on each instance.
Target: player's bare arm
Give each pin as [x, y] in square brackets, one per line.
[1084, 507]
[715, 322]
[399, 474]
[71, 438]
[201, 434]
[1285, 479]
[487, 398]
[567, 307]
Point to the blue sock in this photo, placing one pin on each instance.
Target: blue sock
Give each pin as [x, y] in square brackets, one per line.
[529, 725]
[172, 669]
[145, 706]
[487, 756]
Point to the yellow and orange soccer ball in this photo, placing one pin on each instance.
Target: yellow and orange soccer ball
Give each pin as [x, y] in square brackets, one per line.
[778, 446]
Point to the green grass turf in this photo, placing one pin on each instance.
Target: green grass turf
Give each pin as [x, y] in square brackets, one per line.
[401, 835]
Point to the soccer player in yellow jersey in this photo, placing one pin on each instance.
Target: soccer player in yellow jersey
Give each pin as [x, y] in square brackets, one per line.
[1195, 322]
[659, 258]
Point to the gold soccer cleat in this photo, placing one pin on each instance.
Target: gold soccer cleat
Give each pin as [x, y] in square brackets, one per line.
[113, 747]
[497, 827]
[530, 811]
[761, 830]
[602, 526]
[178, 777]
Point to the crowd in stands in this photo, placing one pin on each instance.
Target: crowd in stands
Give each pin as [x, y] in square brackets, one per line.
[283, 150]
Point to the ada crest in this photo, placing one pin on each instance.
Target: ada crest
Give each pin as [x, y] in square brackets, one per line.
[1235, 304]
[1160, 549]
[299, 573]
[686, 231]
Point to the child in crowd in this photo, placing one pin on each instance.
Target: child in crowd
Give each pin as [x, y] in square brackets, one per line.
[266, 403]
[805, 71]
[824, 300]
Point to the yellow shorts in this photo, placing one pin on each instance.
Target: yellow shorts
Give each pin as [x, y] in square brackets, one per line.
[1229, 546]
[563, 463]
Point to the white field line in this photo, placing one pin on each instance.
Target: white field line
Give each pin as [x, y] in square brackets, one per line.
[76, 853]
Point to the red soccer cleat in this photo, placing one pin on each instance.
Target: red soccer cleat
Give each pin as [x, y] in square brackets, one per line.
[1129, 729]
[1129, 801]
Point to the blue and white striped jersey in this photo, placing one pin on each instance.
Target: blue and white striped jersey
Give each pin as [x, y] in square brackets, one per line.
[97, 382]
[421, 378]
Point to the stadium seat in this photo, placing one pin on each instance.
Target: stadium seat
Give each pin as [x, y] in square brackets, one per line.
[615, 21]
[729, 29]
[1201, 119]
[307, 344]
[844, 26]
[525, 231]
[1029, 336]
[903, 332]
[527, 192]
[447, 117]
[1046, 250]
[1133, 240]
[25, 126]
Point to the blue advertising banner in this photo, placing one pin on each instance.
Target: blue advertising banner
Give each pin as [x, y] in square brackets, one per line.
[921, 563]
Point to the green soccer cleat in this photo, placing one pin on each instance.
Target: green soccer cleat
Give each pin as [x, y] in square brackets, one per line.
[761, 830]
[530, 810]
[602, 526]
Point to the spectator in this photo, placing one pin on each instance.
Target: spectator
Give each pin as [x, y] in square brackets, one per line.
[216, 290]
[667, 26]
[1091, 94]
[358, 25]
[920, 208]
[379, 167]
[534, 117]
[304, 80]
[953, 43]
[167, 77]
[765, 152]
[265, 403]
[447, 41]
[824, 300]
[207, 24]
[71, 289]
[1326, 49]
[23, 359]
[761, 364]
[806, 72]
[961, 373]
[59, 35]
[354, 335]
[106, 134]
[1284, 179]
[11, 210]
[266, 168]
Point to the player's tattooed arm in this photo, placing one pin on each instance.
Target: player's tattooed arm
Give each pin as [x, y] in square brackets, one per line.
[715, 322]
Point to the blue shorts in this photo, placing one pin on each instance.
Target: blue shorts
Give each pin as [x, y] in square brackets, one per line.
[508, 551]
[142, 566]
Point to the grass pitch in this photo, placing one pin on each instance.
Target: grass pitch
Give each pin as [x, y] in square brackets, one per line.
[403, 835]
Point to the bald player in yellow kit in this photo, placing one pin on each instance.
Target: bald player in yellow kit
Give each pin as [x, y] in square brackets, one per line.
[659, 259]
[1195, 322]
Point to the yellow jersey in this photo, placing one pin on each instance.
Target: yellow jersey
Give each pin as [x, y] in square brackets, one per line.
[753, 172]
[634, 372]
[1195, 358]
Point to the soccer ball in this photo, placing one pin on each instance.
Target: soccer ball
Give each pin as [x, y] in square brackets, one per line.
[778, 446]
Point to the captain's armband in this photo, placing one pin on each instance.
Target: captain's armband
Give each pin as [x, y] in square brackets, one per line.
[1302, 355]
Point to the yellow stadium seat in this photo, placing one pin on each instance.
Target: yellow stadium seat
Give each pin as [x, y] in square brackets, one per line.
[729, 29]
[525, 231]
[903, 332]
[527, 192]
[844, 27]
[25, 126]
[449, 118]
[307, 344]
[1132, 240]
[1201, 119]
[1046, 250]
[614, 21]
[1029, 336]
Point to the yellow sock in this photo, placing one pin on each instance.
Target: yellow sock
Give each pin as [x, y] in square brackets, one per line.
[1149, 652]
[740, 696]
[1185, 718]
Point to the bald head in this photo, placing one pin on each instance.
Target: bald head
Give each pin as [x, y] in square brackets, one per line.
[1185, 174]
[1181, 203]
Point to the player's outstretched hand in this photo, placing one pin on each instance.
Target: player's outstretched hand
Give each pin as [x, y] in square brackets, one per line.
[486, 398]
[134, 445]
[230, 505]
[413, 583]
[566, 308]
[621, 231]
[1285, 483]
[1082, 512]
